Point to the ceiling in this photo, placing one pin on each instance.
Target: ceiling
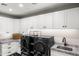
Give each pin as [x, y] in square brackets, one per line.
[20, 10]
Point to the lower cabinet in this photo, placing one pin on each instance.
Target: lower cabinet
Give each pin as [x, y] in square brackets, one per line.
[57, 53]
[9, 48]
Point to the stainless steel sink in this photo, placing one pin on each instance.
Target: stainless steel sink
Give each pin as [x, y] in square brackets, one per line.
[65, 48]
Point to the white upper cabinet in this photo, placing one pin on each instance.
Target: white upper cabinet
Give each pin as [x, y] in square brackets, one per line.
[72, 18]
[6, 25]
[68, 19]
[16, 25]
[59, 19]
[28, 23]
[9, 25]
[45, 21]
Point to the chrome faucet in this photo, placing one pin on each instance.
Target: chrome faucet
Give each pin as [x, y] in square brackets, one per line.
[64, 41]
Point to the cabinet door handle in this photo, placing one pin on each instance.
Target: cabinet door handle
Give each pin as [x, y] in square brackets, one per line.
[66, 26]
[63, 26]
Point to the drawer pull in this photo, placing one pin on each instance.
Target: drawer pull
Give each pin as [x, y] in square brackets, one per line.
[9, 47]
[9, 52]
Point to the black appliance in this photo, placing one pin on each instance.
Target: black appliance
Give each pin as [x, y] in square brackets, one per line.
[37, 46]
[26, 46]
[42, 45]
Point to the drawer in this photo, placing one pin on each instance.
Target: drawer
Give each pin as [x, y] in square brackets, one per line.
[13, 51]
[9, 45]
[6, 48]
[9, 51]
[57, 53]
[6, 45]
[10, 48]
[6, 52]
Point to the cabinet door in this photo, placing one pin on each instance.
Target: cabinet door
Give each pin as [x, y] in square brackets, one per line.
[48, 21]
[6, 25]
[16, 25]
[24, 25]
[59, 19]
[56, 53]
[44, 21]
[33, 22]
[73, 18]
[9, 25]
[40, 21]
[28, 23]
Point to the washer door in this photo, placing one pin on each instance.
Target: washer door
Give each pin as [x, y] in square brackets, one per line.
[40, 48]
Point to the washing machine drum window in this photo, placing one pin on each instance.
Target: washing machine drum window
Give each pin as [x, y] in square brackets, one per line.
[40, 47]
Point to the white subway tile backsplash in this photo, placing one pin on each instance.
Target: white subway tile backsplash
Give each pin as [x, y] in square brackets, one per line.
[72, 35]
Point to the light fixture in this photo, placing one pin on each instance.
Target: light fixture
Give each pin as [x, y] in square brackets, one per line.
[21, 5]
[10, 9]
